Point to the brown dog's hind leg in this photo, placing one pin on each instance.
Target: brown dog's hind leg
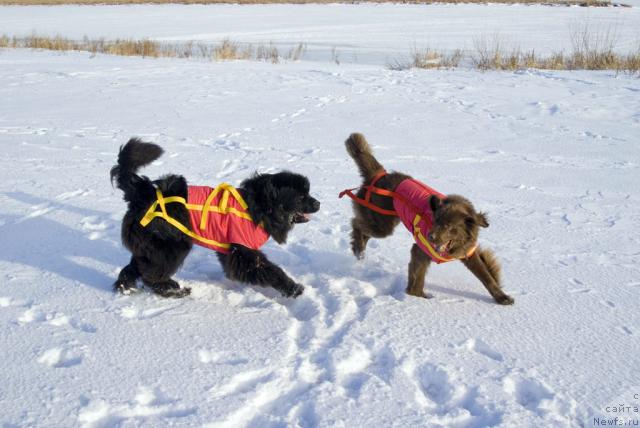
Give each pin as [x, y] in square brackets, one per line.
[417, 270]
[358, 240]
[485, 267]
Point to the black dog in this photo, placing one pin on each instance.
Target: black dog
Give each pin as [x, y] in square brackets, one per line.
[276, 202]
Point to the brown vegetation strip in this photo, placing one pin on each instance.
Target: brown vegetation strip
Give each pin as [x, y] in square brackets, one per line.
[584, 3]
[226, 50]
[588, 52]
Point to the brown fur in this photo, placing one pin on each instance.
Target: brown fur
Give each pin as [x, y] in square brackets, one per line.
[456, 224]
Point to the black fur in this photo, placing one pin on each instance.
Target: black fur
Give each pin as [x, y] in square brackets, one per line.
[278, 201]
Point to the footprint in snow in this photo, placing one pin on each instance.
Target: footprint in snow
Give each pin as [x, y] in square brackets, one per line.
[149, 407]
[626, 330]
[580, 291]
[531, 394]
[350, 371]
[56, 319]
[62, 320]
[608, 303]
[384, 363]
[435, 384]
[482, 348]
[73, 194]
[38, 210]
[32, 315]
[6, 302]
[242, 383]
[60, 357]
[94, 227]
[133, 312]
[208, 356]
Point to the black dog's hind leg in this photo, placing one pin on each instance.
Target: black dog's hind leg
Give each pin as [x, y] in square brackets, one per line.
[156, 273]
[126, 282]
[252, 266]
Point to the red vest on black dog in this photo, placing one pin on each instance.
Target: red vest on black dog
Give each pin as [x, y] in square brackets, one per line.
[219, 217]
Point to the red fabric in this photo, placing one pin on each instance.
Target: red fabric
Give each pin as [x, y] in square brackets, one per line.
[415, 200]
[224, 228]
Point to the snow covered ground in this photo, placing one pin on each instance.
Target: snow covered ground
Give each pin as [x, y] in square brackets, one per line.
[365, 34]
[551, 156]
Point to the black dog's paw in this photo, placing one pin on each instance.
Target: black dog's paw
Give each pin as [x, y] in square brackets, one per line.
[504, 300]
[124, 288]
[175, 293]
[170, 289]
[294, 291]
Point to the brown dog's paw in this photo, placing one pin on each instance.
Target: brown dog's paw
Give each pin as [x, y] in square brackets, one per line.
[420, 294]
[504, 300]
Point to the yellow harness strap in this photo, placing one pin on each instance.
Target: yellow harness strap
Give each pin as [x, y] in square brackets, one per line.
[222, 207]
[417, 234]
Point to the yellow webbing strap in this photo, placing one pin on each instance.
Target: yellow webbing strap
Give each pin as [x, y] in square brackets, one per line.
[222, 208]
[417, 234]
[205, 209]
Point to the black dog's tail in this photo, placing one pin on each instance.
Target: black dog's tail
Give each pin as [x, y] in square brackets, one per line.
[133, 156]
[361, 153]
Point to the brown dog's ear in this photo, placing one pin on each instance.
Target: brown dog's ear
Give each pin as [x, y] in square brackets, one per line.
[481, 219]
[435, 203]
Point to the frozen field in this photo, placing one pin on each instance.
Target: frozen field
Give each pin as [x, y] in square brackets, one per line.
[365, 34]
[552, 157]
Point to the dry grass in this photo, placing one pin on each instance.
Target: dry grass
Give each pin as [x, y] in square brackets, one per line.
[431, 58]
[227, 50]
[590, 50]
[495, 57]
[428, 58]
[585, 3]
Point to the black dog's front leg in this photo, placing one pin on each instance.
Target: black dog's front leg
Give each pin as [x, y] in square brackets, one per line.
[252, 266]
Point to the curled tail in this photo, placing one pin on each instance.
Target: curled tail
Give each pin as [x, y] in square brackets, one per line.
[359, 150]
[133, 156]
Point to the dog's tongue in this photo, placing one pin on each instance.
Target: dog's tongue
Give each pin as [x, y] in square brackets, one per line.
[306, 216]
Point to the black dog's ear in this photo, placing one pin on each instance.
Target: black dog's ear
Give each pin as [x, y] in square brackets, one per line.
[435, 203]
[481, 219]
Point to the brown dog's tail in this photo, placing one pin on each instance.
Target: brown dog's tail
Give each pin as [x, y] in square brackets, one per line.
[359, 150]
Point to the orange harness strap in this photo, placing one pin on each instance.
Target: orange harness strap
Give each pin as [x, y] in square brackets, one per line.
[383, 192]
[367, 197]
[371, 188]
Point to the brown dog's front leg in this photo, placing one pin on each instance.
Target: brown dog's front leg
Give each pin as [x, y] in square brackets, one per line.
[417, 270]
[485, 267]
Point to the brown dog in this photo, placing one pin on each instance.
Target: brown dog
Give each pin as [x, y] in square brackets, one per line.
[444, 227]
